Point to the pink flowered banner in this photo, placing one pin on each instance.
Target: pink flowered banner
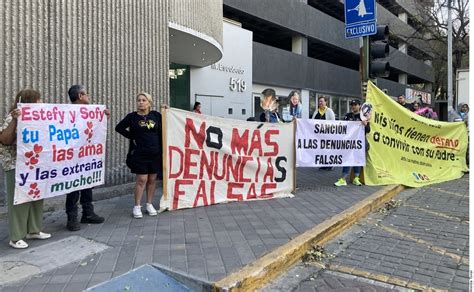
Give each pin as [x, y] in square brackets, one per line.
[60, 149]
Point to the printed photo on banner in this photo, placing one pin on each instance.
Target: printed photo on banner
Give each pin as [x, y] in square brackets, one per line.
[60, 149]
[409, 149]
[321, 143]
[211, 160]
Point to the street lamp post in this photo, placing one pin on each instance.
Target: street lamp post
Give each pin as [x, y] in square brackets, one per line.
[450, 58]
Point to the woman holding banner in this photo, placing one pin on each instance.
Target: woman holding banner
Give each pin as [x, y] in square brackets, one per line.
[145, 156]
[24, 220]
[324, 113]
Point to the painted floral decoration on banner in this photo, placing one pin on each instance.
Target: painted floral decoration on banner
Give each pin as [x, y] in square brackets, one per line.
[33, 156]
[89, 132]
[34, 191]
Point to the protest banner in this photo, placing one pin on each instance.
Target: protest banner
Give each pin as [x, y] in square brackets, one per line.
[211, 160]
[329, 143]
[409, 149]
[60, 149]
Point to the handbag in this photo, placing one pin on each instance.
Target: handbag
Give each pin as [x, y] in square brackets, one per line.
[131, 150]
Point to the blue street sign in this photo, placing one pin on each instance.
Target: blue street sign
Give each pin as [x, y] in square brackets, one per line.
[361, 18]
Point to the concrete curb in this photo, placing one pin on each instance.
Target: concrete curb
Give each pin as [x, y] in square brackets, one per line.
[271, 265]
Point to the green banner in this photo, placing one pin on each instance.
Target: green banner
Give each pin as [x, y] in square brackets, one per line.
[411, 150]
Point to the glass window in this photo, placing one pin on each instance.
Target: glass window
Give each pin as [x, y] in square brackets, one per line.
[179, 86]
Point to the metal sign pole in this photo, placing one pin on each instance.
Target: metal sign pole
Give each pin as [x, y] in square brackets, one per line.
[364, 64]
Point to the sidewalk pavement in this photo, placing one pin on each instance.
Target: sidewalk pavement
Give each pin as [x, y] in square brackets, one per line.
[421, 243]
[207, 242]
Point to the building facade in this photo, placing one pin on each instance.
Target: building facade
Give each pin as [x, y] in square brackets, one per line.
[182, 52]
[300, 44]
[115, 48]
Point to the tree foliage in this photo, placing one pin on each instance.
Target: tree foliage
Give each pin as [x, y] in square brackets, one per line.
[431, 23]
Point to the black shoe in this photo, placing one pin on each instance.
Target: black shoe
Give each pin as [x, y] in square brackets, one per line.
[92, 219]
[73, 224]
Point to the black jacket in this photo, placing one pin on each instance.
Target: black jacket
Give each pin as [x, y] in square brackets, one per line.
[143, 131]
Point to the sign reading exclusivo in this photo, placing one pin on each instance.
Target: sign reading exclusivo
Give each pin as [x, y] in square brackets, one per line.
[360, 18]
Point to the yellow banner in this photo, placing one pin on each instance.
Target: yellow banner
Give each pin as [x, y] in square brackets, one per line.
[408, 149]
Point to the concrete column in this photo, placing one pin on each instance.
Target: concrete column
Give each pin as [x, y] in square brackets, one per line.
[305, 103]
[299, 45]
[402, 78]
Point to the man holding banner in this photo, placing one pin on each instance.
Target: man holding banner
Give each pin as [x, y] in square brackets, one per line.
[78, 95]
[354, 115]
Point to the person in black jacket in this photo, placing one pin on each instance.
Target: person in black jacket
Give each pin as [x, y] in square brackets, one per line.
[143, 128]
[354, 115]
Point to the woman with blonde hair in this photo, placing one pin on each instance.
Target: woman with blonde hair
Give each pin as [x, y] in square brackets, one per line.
[24, 220]
[143, 128]
[295, 104]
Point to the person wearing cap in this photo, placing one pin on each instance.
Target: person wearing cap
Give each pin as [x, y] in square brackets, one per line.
[269, 104]
[354, 115]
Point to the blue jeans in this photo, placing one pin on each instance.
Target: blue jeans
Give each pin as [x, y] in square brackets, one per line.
[346, 169]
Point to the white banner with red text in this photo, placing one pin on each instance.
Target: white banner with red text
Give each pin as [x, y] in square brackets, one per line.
[211, 160]
[60, 149]
[321, 143]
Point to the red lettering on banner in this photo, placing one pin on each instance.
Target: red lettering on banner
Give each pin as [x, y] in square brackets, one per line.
[201, 193]
[252, 193]
[271, 143]
[178, 192]
[239, 144]
[256, 143]
[188, 164]
[242, 169]
[213, 188]
[230, 193]
[198, 136]
[233, 168]
[170, 151]
[258, 169]
[216, 166]
[25, 113]
[269, 172]
[206, 164]
[266, 187]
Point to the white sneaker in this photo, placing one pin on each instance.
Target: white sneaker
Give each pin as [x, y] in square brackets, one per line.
[151, 210]
[20, 244]
[137, 212]
[41, 235]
